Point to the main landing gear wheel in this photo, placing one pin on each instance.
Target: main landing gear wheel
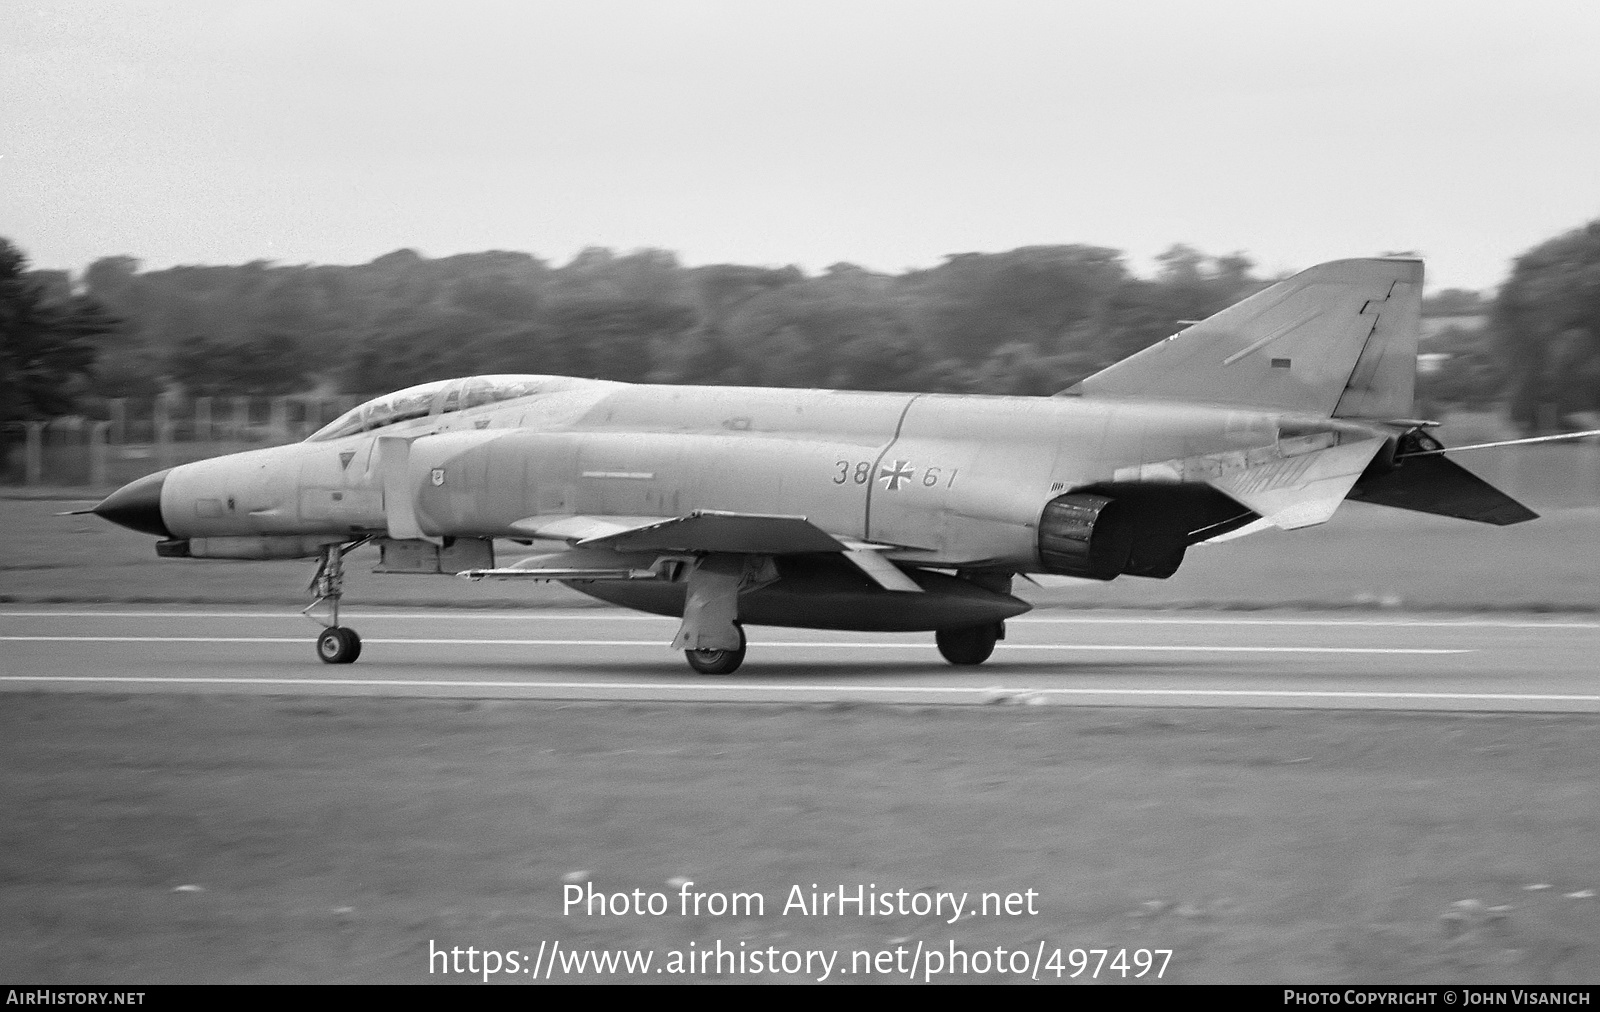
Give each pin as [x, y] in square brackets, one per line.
[968, 646]
[717, 662]
[338, 645]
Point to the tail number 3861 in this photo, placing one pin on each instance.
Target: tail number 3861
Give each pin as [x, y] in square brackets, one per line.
[859, 472]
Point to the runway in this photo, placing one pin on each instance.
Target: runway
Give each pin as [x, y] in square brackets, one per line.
[1330, 660]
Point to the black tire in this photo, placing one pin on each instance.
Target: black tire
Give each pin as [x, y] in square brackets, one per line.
[717, 662]
[969, 646]
[338, 645]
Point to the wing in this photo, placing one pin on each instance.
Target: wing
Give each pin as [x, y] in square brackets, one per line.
[714, 531]
[700, 532]
[575, 528]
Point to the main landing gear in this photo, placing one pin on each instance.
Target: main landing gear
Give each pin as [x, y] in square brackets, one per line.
[964, 647]
[969, 646]
[717, 662]
[336, 644]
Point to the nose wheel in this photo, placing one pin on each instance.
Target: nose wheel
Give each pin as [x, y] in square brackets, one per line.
[336, 644]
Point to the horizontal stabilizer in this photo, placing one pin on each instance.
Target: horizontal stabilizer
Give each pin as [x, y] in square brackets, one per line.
[1434, 448]
[1433, 484]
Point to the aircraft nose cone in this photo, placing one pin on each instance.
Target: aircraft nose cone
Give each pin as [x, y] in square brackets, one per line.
[137, 505]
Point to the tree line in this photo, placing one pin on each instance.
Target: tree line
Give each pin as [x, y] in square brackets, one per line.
[1032, 320]
[1028, 321]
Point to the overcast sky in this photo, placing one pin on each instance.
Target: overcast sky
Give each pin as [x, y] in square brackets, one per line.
[888, 134]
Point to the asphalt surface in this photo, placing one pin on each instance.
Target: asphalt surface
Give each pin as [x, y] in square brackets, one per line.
[1331, 660]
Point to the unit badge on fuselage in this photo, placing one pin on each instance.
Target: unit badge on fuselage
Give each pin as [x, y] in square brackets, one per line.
[438, 476]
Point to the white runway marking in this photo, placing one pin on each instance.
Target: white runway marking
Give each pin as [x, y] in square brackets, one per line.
[1442, 662]
[1119, 647]
[1321, 623]
[393, 683]
[598, 615]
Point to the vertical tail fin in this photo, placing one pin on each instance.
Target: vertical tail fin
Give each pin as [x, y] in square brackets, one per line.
[1339, 339]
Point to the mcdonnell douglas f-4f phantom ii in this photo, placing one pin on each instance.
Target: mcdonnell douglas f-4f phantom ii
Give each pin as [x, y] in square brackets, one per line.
[833, 509]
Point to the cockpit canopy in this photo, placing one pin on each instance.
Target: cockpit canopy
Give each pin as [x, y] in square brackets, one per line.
[436, 398]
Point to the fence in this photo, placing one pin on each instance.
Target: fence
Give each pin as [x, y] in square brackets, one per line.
[138, 436]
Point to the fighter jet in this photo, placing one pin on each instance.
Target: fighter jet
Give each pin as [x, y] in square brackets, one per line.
[834, 509]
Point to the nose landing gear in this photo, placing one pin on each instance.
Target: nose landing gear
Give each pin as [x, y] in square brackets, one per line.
[336, 644]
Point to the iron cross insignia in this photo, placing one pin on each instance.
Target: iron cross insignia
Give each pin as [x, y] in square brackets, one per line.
[892, 478]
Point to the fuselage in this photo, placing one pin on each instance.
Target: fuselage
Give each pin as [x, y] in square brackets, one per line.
[951, 480]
